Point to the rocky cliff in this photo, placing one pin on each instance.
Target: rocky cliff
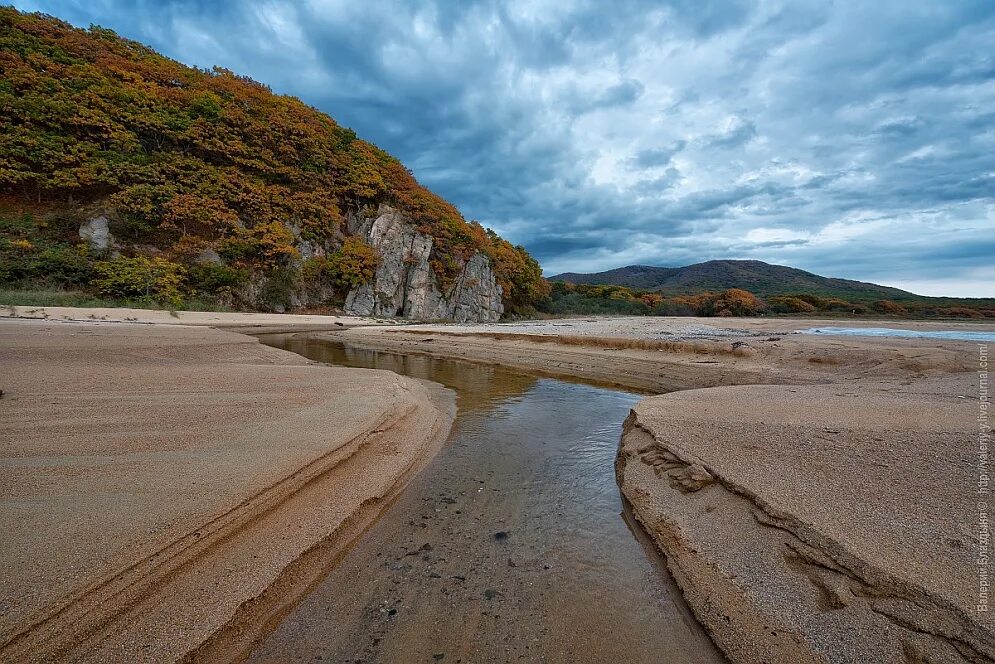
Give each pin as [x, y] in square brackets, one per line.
[405, 284]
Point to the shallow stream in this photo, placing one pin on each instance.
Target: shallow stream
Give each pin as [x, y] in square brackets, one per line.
[513, 544]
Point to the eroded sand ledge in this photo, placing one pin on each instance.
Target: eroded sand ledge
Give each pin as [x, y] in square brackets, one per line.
[818, 523]
[171, 488]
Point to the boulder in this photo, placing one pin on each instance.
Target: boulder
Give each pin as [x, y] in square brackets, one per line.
[96, 231]
[208, 256]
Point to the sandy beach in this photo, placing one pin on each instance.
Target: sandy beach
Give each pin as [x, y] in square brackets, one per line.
[162, 482]
[814, 496]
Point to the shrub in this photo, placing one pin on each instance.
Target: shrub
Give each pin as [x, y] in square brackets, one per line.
[888, 307]
[960, 312]
[57, 264]
[836, 304]
[651, 300]
[354, 263]
[672, 308]
[561, 288]
[153, 279]
[265, 245]
[738, 302]
[279, 287]
[189, 214]
[814, 300]
[518, 274]
[702, 304]
[64, 265]
[575, 303]
[786, 304]
[215, 279]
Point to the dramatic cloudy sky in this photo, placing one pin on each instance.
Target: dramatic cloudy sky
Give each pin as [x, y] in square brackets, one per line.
[853, 139]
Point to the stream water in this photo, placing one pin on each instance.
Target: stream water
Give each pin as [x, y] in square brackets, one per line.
[512, 545]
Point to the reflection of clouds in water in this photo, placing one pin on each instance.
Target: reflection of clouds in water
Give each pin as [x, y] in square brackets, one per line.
[574, 429]
[580, 423]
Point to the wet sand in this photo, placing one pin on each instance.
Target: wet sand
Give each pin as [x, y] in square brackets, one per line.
[512, 545]
[676, 361]
[156, 478]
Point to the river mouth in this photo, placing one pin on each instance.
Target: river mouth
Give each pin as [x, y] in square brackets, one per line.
[513, 544]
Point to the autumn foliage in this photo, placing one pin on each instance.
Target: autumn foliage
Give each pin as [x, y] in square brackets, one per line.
[140, 277]
[185, 161]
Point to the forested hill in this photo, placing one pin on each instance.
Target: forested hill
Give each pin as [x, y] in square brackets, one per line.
[184, 160]
[760, 278]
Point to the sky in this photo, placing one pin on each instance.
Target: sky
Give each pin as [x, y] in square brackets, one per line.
[851, 139]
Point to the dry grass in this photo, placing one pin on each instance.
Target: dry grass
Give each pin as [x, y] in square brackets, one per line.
[611, 343]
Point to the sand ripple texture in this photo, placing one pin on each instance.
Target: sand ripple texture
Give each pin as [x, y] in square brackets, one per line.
[165, 483]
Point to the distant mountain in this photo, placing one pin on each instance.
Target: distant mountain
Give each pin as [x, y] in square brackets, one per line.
[757, 277]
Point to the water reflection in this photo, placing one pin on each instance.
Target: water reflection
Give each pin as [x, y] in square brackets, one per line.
[478, 387]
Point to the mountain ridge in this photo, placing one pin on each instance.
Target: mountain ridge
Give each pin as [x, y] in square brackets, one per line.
[758, 277]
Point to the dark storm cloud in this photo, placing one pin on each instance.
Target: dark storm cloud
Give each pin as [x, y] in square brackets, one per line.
[855, 139]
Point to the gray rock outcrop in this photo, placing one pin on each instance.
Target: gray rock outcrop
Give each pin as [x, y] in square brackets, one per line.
[405, 283]
[208, 256]
[97, 233]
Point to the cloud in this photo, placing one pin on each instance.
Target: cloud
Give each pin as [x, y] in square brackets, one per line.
[656, 157]
[737, 132]
[852, 139]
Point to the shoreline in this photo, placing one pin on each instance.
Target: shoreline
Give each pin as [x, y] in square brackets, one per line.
[99, 419]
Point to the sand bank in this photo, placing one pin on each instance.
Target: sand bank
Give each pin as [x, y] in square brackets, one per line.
[675, 361]
[691, 328]
[229, 320]
[165, 486]
[833, 523]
